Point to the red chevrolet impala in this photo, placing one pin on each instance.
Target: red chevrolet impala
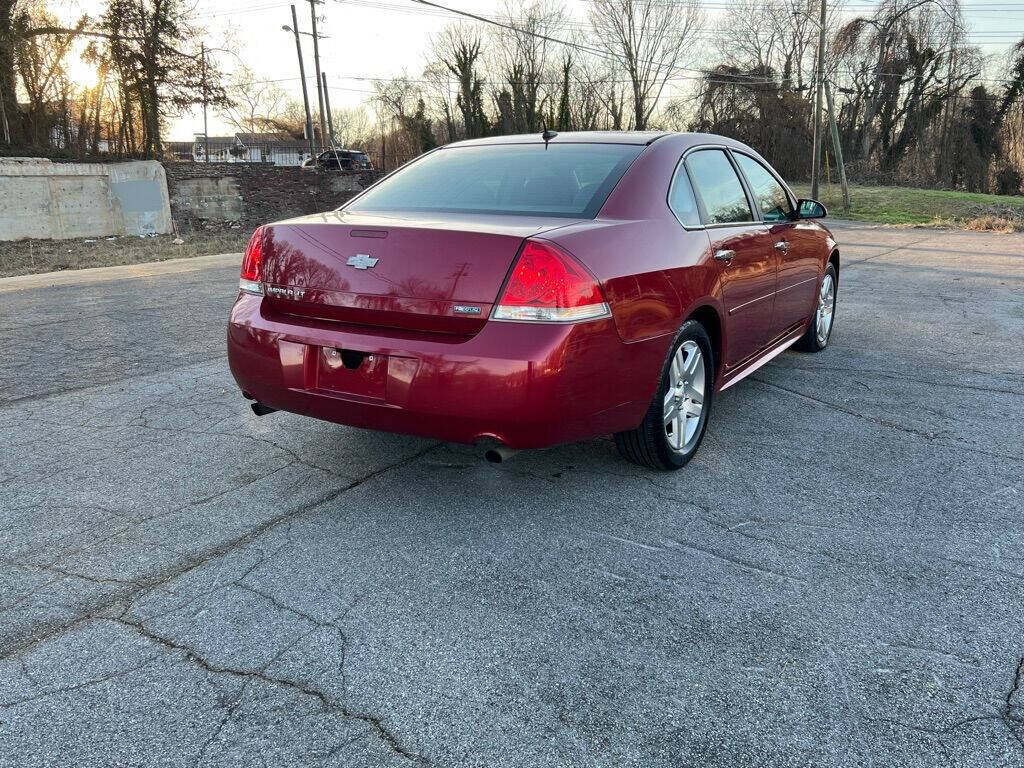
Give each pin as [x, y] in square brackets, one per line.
[524, 291]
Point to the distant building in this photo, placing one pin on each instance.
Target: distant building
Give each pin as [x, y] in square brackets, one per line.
[66, 137]
[278, 148]
[182, 151]
[219, 147]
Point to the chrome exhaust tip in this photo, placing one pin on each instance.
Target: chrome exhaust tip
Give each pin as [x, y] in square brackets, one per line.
[495, 454]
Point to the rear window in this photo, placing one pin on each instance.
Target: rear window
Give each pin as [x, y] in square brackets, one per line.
[562, 180]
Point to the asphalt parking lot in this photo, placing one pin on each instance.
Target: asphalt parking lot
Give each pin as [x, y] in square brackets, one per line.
[836, 580]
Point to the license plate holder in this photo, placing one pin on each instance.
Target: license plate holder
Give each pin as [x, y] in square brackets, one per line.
[348, 372]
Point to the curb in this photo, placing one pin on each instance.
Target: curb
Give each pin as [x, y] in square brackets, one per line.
[121, 272]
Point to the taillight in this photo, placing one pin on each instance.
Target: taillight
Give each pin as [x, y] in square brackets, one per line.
[252, 265]
[549, 285]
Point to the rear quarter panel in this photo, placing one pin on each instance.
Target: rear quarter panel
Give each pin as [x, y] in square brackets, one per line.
[654, 272]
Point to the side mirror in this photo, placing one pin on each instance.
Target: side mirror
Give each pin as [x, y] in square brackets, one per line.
[810, 209]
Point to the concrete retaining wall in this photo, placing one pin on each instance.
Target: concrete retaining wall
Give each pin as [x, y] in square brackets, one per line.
[40, 199]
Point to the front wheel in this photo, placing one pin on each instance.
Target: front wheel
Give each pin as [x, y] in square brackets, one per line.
[677, 418]
[820, 328]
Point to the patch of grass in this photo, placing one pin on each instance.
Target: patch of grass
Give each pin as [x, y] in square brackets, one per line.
[24, 257]
[911, 206]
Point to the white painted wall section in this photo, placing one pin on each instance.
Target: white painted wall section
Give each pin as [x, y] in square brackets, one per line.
[41, 199]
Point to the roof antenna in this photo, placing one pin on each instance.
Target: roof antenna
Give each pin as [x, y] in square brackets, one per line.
[547, 135]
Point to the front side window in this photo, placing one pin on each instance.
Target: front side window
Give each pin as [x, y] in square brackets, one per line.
[719, 187]
[560, 180]
[768, 193]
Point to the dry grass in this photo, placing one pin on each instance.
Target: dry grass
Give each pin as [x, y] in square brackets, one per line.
[24, 257]
[990, 223]
[908, 206]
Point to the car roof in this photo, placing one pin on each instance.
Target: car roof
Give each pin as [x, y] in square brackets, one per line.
[681, 140]
[576, 137]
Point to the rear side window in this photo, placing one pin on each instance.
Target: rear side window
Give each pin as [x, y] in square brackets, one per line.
[768, 193]
[562, 180]
[719, 187]
[681, 199]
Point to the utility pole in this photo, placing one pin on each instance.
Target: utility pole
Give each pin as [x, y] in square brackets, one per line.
[302, 77]
[3, 115]
[836, 146]
[820, 82]
[327, 103]
[206, 132]
[319, 78]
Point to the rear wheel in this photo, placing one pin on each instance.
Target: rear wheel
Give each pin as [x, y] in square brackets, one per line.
[820, 328]
[674, 424]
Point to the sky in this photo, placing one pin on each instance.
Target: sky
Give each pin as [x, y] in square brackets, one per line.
[369, 39]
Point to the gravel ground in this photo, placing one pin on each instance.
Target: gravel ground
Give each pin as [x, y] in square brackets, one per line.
[835, 580]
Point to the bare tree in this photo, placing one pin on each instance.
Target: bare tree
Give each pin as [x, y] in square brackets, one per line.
[438, 89]
[779, 35]
[145, 41]
[460, 48]
[41, 63]
[353, 126]
[591, 81]
[254, 105]
[649, 38]
[527, 64]
[399, 103]
[901, 73]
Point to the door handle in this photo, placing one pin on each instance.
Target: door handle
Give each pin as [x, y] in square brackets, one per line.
[725, 255]
[783, 246]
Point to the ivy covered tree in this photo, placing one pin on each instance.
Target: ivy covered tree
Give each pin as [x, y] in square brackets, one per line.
[148, 42]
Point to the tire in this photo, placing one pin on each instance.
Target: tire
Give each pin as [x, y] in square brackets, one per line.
[668, 445]
[819, 331]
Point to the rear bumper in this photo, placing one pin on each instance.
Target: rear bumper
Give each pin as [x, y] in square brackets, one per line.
[529, 385]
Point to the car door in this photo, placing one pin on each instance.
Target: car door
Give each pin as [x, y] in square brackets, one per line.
[796, 252]
[741, 249]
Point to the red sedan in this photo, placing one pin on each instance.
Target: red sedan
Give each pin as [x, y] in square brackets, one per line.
[525, 291]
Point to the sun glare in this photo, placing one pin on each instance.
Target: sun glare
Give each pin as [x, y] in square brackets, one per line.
[82, 73]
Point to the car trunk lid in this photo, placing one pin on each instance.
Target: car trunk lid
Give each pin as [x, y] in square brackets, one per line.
[435, 273]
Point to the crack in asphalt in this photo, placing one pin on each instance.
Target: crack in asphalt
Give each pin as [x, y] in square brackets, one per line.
[64, 553]
[854, 262]
[328, 703]
[138, 588]
[22, 399]
[1014, 712]
[1008, 715]
[906, 376]
[297, 459]
[958, 443]
[848, 411]
[229, 714]
[48, 630]
[48, 692]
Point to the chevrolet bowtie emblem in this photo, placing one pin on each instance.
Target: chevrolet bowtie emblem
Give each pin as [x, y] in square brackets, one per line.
[362, 261]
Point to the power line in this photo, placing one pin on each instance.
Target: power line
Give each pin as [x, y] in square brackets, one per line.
[995, 37]
[738, 81]
[711, 77]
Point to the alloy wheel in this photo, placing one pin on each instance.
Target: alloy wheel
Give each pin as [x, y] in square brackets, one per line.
[684, 397]
[826, 305]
